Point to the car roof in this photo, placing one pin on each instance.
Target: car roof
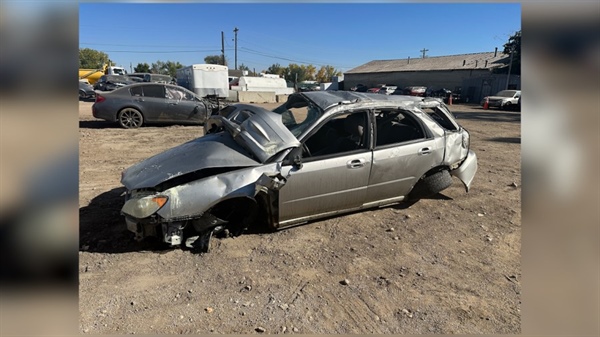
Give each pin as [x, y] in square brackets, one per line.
[326, 99]
[144, 84]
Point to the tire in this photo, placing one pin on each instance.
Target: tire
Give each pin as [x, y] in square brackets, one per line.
[82, 95]
[430, 185]
[130, 118]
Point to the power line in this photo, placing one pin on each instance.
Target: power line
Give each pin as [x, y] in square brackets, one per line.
[251, 51]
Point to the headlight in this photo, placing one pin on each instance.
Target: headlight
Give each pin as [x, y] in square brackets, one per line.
[466, 139]
[144, 207]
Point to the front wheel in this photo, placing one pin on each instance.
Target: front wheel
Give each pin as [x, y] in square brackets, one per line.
[82, 95]
[130, 118]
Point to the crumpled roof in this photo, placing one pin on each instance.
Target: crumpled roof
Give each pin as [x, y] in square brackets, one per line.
[325, 99]
[451, 62]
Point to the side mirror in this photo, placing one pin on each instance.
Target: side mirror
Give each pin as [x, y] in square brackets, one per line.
[294, 158]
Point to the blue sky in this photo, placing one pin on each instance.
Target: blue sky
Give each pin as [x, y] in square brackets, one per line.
[344, 35]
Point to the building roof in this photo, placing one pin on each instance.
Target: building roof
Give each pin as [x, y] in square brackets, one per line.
[451, 62]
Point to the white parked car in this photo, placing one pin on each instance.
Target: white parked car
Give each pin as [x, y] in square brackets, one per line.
[505, 99]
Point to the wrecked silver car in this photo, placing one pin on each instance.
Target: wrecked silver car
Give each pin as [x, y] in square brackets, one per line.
[319, 154]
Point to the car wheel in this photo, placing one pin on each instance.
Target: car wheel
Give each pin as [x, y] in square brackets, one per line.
[82, 94]
[130, 118]
[430, 185]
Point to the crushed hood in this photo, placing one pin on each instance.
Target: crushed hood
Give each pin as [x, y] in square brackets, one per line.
[262, 133]
[211, 151]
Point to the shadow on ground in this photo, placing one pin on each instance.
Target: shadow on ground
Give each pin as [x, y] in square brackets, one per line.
[513, 140]
[102, 228]
[98, 125]
[489, 115]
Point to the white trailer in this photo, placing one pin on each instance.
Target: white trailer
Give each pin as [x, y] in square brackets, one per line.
[206, 80]
[268, 84]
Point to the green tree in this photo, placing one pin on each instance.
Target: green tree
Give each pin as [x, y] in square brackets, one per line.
[165, 68]
[310, 72]
[513, 45]
[171, 68]
[142, 68]
[93, 59]
[277, 69]
[214, 59]
[299, 73]
[326, 73]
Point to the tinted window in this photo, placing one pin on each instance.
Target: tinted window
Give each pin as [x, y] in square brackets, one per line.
[136, 91]
[396, 126]
[340, 134]
[154, 91]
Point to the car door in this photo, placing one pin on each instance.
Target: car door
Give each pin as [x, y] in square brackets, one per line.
[334, 170]
[153, 103]
[402, 154]
[183, 106]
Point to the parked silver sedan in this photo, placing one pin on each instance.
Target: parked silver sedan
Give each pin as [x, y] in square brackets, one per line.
[134, 105]
[319, 154]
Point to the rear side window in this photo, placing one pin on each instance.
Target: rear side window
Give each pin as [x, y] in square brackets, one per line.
[136, 91]
[396, 126]
[441, 118]
[157, 91]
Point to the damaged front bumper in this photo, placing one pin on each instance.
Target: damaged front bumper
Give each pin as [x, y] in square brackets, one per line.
[466, 171]
[142, 220]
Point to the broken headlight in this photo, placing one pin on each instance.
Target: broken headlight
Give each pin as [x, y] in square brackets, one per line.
[144, 207]
[466, 139]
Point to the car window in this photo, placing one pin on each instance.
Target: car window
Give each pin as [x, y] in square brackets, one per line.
[136, 91]
[440, 118]
[177, 94]
[157, 91]
[297, 115]
[394, 126]
[343, 133]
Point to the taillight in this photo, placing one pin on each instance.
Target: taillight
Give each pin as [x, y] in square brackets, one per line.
[100, 98]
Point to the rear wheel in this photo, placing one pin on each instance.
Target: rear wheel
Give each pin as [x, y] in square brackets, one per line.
[82, 94]
[130, 118]
[430, 185]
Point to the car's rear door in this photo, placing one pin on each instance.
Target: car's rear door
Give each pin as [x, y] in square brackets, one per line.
[153, 103]
[333, 176]
[402, 154]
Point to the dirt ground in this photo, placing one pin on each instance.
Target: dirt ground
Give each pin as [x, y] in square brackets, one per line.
[444, 265]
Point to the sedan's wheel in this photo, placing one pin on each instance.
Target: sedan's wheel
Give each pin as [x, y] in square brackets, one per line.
[82, 94]
[430, 185]
[130, 118]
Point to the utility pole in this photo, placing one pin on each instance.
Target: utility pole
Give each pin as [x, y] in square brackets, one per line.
[235, 31]
[423, 51]
[510, 66]
[222, 48]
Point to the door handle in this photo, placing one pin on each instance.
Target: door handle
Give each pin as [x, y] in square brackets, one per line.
[424, 151]
[173, 103]
[356, 163]
[140, 99]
